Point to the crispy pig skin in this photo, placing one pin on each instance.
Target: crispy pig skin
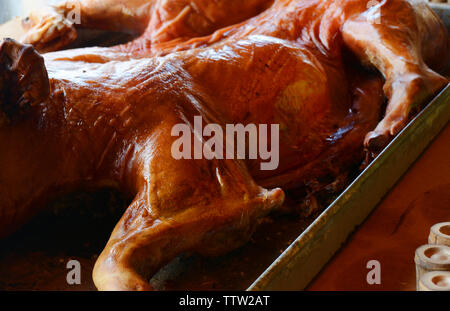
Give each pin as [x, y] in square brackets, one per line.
[102, 117]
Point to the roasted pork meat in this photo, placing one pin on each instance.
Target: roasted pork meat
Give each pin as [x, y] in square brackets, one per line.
[340, 77]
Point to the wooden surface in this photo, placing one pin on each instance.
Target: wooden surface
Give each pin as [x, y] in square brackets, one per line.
[397, 227]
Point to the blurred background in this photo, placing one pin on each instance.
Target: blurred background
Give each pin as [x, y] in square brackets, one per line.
[14, 8]
[10, 24]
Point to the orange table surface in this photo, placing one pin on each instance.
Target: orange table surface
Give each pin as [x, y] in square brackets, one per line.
[396, 228]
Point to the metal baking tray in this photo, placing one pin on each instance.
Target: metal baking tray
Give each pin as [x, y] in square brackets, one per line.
[293, 248]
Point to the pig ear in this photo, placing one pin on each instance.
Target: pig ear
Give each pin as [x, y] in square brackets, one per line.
[23, 79]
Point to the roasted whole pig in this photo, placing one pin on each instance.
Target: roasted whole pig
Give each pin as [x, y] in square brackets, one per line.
[103, 117]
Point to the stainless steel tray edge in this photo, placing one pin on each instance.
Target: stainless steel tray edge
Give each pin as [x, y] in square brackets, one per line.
[297, 266]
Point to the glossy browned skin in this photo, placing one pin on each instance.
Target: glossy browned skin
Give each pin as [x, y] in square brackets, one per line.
[103, 117]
